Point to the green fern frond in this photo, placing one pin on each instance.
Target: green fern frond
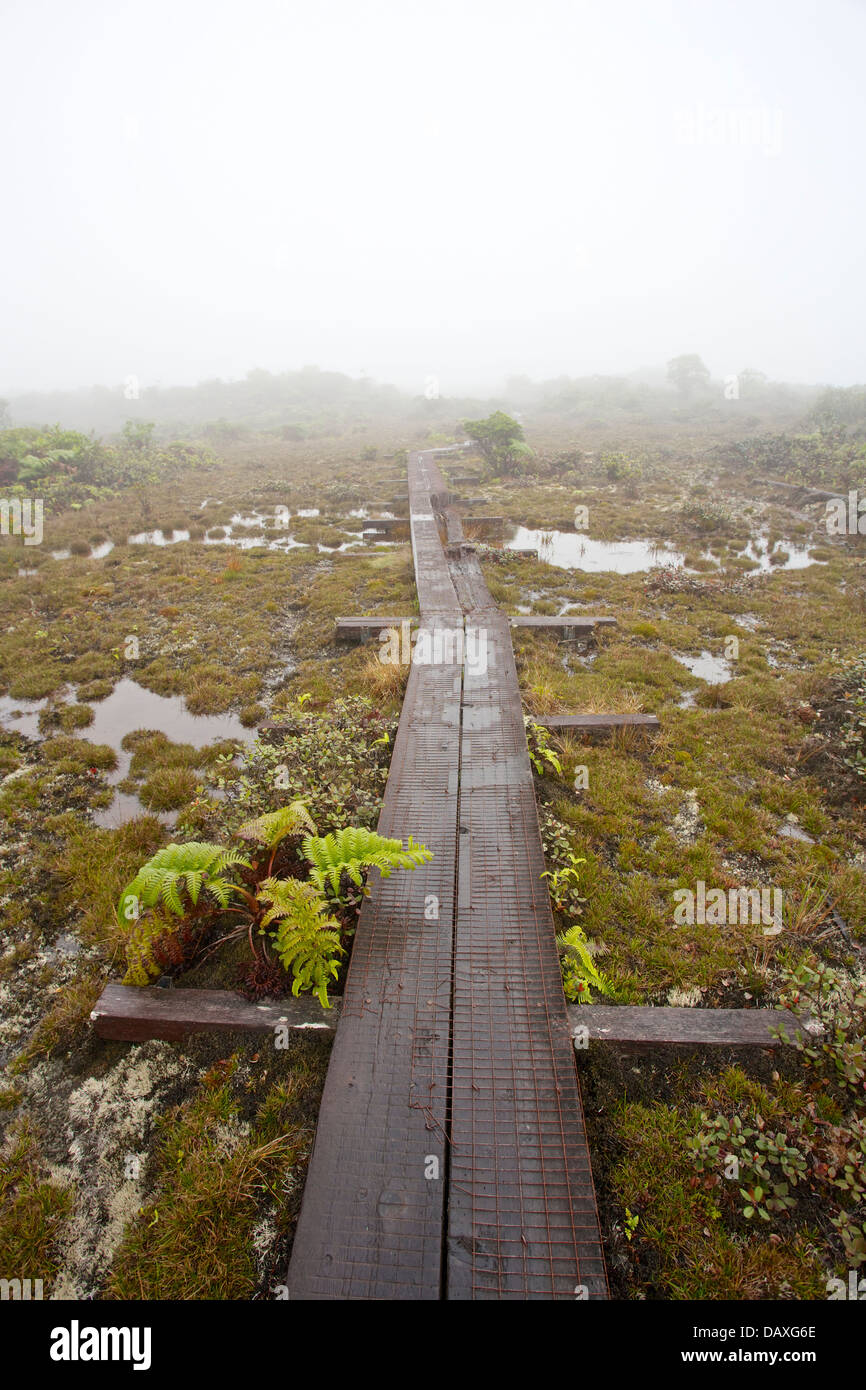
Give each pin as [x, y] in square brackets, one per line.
[165, 888]
[579, 971]
[274, 826]
[229, 859]
[307, 939]
[354, 849]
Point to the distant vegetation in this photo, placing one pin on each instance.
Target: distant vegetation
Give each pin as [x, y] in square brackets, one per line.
[312, 403]
[67, 469]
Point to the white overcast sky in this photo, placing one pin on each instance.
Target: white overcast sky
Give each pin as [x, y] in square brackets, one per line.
[193, 188]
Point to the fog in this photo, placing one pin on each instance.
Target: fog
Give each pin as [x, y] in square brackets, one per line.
[458, 190]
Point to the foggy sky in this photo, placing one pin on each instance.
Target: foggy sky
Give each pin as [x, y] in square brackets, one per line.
[193, 188]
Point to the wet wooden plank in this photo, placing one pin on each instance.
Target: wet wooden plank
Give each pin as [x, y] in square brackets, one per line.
[814, 493]
[126, 1013]
[647, 1026]
[358, 629]
[592, 722]
[385, 523]
[568, 622]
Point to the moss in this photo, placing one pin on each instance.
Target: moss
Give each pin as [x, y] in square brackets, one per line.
[79, 753]
[168, 788]
[215, 1171]
[153, 750]
[94, 866]
[65, 1022]
[95, 690]
[33, 1210]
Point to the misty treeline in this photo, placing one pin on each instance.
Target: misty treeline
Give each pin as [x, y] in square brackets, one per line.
[313, 402]
[102, 439]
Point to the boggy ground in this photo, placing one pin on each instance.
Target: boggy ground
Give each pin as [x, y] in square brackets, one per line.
[115, 1154]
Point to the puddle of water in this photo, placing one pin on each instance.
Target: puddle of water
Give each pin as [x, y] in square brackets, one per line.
[263, 521]
[21, 716]
[715, 670]
[759, 550]
[130, 706]
[241, 542]
[158, 537]
[575, 551]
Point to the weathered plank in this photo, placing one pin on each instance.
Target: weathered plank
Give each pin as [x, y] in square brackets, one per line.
[566, 622]
[128, 1014]
[591, 722]
[358, 629]
[648, 1026]
[385, 524]
[814, 493]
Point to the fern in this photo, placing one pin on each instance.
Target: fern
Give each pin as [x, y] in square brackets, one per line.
[538, 746]
[307, 939]
[579, 971]
[185, 881]
[274, 826]
[353, 849]
[175, 868]
[165, 888]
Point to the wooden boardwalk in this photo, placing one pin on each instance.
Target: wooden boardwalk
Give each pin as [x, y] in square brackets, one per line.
[450, 1158]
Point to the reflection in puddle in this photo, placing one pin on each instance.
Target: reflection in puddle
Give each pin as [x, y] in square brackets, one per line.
[21, 716]
[261, 521]
[758, 550]
[130, 707]
[158, 537]
[575, 551]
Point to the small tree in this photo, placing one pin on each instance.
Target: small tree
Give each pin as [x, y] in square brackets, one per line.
[500, 439]
[138, 435]
[753, 384]
[688, 373]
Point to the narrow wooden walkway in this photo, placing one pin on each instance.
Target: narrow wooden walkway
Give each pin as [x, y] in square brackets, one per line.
[450, 1158]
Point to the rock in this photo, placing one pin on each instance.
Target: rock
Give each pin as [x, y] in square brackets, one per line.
[790, 830]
